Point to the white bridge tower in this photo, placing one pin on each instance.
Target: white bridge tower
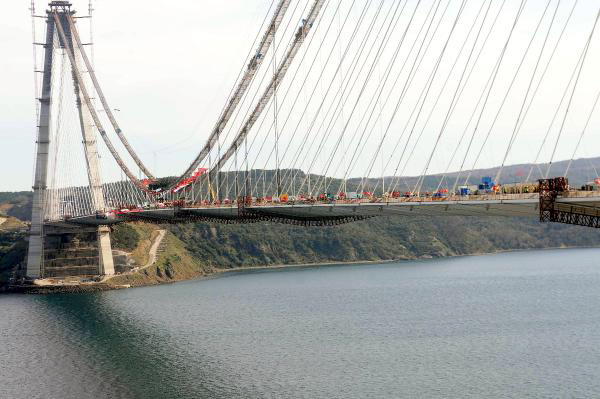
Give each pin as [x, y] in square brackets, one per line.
[59, 32]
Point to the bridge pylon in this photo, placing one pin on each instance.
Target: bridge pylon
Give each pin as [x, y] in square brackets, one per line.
[59, 33]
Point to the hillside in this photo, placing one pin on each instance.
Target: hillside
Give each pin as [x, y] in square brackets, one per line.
[196, 249]
[12, 244]
[580, 171]
[227, 246]
[173, 261]
[16, 204]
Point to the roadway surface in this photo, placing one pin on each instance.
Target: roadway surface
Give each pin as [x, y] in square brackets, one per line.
[509, 205]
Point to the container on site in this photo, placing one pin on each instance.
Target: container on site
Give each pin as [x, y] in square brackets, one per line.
[352, 195]
[442, 192]
[284, 197]
[486, 185]
[590, 186]
[464, 190]
[518, 188]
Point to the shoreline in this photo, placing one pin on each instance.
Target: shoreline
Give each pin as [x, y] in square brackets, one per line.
[369, 262]
[220, 272]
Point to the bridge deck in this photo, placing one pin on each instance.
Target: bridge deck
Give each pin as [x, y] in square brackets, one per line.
[509, 205]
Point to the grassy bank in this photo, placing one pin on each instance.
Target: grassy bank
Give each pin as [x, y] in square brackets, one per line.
[173, 262]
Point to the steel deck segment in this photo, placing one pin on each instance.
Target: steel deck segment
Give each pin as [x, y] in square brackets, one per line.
[522, 207]
[483, 208]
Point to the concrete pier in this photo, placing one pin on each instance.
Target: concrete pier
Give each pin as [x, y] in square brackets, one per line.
[105, 262]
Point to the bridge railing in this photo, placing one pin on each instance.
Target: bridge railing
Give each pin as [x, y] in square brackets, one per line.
[382, 200]
[580, 194]
[358, 201]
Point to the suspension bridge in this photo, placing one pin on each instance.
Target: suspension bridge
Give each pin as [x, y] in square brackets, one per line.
[337, 104]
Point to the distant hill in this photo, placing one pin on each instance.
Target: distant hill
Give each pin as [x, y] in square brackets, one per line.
[16, 204]
[581, 171]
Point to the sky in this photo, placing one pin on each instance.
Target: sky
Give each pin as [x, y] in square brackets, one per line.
[168, 71]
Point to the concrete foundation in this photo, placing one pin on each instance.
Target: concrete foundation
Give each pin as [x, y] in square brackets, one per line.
[86, 254]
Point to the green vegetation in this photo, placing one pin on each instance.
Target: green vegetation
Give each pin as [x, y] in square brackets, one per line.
[125, 237]
[383, 238]
[13, 249]
[173, 263]
[13, 246]
[147, 234]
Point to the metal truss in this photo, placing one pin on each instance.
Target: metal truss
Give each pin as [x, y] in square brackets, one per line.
[551, 211]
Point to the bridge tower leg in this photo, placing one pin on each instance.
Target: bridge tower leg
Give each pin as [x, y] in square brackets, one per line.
[35, 255]
[105, 259]
[36, 241]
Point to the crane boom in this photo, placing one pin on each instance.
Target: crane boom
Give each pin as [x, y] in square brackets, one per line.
[277, 78]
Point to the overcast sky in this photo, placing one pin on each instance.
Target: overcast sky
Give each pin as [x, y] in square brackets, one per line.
[168, 69]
